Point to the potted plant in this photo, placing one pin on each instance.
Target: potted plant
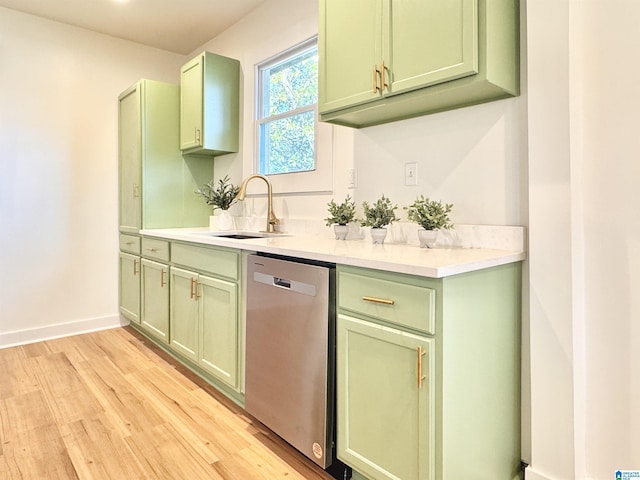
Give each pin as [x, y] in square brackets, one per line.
[222, 196]
[432, 216]
[378, 216]
[340, 215]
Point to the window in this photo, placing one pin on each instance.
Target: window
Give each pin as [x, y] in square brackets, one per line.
[287, 111]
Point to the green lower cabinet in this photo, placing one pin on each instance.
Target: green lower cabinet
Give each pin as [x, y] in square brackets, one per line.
[184, 313]
[155, 299]
[428, 374]
[204, 323]
[385, 411]
[129, 294]
[219, 329]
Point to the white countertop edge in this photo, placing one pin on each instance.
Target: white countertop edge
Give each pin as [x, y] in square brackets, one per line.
[400, 258]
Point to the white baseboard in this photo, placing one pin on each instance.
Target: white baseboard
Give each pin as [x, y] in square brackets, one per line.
[49, 332]
[531, 474]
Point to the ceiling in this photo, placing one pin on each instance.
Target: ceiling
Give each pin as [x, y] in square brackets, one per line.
[179, 26]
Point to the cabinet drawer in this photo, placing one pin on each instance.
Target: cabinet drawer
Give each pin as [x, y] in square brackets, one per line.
[130, 244]
[205, 259]
[412, 306]
[158, 249]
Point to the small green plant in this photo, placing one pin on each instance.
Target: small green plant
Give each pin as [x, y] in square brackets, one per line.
[221, 196]
[341, 213]
[380, 214]
[430, 214]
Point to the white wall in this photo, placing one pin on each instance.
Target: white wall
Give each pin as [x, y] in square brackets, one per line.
[469, 157]
[58, 187]
[611, 201]
[584, 238]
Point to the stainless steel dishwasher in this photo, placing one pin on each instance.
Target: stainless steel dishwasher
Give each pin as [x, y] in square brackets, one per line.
[290, 352]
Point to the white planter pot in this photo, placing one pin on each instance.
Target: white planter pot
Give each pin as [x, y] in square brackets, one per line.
[341, 231]
[427, 238]
[225, 221]
[378, 235]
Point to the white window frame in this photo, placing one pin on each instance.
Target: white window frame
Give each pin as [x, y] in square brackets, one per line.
[319, 180]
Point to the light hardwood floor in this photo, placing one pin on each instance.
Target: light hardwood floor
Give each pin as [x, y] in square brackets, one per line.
[110, 405]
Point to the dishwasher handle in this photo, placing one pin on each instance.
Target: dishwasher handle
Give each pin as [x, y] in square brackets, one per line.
[281, 282]
[284, 283]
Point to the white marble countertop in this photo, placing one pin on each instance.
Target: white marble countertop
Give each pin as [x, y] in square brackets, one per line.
[403, 258]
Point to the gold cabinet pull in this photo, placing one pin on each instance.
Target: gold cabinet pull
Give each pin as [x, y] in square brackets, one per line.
[135, 266]
[152, 249]
[136, 190]
[162, 278]
[191, 282]
[421, 354]
[197, 291]
[376, 72]
[198, 135]
[384, 301]
[383, 82]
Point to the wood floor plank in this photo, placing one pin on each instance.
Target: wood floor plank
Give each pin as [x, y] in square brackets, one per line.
[33, 446]
[16, 378]
[66, 393]
[167, 457]
[97, 453]
[128, 411]
[111, 405]
[128, 354]
[195, 421]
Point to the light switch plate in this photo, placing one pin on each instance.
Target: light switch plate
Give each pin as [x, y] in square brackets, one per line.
[352, 175]
[411, 174]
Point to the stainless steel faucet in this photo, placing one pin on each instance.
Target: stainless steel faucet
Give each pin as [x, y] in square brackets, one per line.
[272, 220]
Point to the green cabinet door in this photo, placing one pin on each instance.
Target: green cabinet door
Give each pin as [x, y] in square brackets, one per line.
[155, 299]
[210, 105]
[385, 413]
[429, 42]
[130, 159]
[219, 329]
[191, 103]
[184, 313]
[130, 286]
[350, 51]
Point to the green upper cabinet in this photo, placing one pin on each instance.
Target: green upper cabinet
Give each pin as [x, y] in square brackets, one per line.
[156, 183]
[385, 60]
[209, 105]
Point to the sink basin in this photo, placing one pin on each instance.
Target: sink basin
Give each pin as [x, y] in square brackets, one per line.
[242, 235]
[239, 236]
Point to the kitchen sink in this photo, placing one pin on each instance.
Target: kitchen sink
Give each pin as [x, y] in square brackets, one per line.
[242, 235]
[239, 236]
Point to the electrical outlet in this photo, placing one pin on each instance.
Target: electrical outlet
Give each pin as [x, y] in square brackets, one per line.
[352, 178]
[411, 174]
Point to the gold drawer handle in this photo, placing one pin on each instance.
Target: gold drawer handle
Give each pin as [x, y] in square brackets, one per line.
[193, 289]
[152, 249]
[384, 301]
